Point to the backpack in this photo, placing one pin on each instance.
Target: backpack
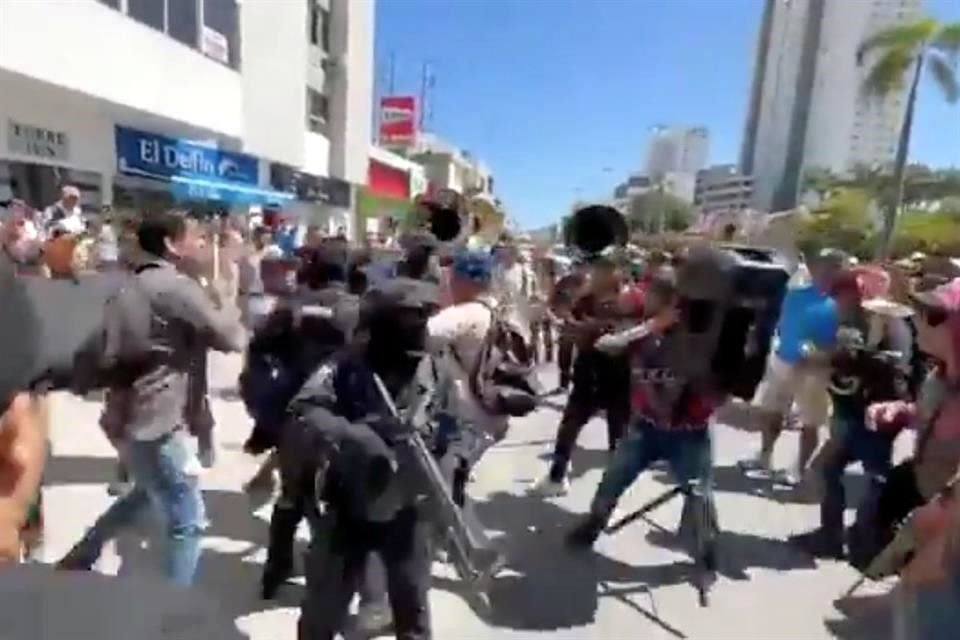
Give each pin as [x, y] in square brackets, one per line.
[503, 379]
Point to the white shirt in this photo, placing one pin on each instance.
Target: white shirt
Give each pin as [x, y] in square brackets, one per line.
[516, 286]
[456, 334]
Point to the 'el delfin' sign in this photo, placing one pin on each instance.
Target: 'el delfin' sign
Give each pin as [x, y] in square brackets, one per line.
[155, 156]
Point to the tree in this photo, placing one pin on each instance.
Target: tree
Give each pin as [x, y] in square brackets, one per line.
[936, 233]
[842, 221]
[902, 50]
[653, 212]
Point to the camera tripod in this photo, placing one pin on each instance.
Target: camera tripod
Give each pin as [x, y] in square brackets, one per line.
[698, 513]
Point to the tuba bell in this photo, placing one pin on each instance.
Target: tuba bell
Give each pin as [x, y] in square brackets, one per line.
[595, 229]
[443, 215]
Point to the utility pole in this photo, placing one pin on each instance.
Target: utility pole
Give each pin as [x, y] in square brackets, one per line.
[392, 74]
[426, 85]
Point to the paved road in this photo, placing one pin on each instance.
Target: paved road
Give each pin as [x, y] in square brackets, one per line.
[634, 586]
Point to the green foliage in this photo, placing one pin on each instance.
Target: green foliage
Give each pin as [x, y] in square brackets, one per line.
[935, 233]
[842, 221]
[648, 210]
[900, 52]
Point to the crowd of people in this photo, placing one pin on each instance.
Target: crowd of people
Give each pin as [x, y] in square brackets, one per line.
[347, 356]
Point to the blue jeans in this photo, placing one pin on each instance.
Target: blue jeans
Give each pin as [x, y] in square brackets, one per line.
[158, 468]
[856, 444]
[687, 452]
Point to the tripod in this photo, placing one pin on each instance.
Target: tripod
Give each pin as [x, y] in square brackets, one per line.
[698, 513]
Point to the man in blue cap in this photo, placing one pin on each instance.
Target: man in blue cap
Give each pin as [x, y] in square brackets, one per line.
[456, 336]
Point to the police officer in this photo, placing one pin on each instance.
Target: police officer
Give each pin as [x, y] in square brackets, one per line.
[368, 496]
[296, 338]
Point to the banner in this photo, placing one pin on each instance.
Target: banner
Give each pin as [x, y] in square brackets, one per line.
[398, 119]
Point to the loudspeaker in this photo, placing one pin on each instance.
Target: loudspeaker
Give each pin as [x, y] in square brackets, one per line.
[730, 299]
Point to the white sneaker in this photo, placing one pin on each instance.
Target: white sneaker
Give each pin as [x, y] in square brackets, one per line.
[548, 488]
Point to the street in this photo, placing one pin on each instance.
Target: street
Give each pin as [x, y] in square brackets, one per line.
[636, 585]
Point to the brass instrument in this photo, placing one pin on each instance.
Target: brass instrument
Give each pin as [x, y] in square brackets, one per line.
[595, 229]
[443, 215]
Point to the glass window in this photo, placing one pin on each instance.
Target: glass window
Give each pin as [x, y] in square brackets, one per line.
[318, 111]
[319, 26]
[113, 4]
[149, 12]
[221, 16]
[182, 21]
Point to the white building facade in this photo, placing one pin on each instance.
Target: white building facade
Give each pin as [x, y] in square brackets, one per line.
[676, 150]
[807, 109]
[722, 189]
[232, 103]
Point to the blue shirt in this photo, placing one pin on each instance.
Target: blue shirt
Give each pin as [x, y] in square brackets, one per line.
[807, 315]
[287, 241]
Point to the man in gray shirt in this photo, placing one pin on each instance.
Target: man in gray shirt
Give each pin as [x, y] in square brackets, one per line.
[147, 416]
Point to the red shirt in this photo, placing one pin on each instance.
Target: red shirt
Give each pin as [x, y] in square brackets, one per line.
[650, 368]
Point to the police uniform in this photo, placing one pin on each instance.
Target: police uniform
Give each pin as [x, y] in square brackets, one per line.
[366, 490]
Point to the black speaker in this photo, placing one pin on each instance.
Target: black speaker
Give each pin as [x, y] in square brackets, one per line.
[730, 299]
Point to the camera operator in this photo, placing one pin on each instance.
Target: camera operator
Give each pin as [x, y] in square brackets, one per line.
[861, 375]
[671, 414]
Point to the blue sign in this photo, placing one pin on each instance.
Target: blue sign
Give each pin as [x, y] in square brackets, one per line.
[154, 156]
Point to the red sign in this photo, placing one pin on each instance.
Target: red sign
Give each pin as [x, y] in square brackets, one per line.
[398, 119]
[385, 180]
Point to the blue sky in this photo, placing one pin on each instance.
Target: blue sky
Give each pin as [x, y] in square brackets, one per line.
[557, 96]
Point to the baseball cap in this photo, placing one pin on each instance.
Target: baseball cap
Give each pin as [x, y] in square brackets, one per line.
[474, 266]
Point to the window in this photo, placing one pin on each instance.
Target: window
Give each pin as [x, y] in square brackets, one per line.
[182, 21]
[149, 12]
[113, 4]
[318, 111]
[319, 26]
[221, 16]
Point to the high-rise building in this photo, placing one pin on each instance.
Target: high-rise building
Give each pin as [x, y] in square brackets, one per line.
[807, 108]
[676, 150]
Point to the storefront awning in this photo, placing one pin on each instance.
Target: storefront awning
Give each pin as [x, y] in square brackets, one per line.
[197, 189]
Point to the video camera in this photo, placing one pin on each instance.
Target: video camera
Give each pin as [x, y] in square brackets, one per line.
[730, 297]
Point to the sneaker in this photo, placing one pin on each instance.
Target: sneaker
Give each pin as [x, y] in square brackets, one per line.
[547, 487]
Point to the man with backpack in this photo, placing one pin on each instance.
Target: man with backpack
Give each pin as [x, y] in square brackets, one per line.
[456, 336]
[151, 403]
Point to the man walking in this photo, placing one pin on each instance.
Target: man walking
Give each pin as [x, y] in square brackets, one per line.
[155, 443]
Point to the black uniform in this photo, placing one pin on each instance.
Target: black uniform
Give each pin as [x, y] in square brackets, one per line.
[293, 341]
[367, 492]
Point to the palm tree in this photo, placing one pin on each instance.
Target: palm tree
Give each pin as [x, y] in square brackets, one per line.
[904, 50]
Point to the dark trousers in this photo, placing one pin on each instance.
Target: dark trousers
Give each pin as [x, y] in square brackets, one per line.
[337, 563]
[297, 502]
[600, 383]
[872, 449]
[565, 350]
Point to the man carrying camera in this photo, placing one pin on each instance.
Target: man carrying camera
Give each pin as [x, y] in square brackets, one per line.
[671, 413]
